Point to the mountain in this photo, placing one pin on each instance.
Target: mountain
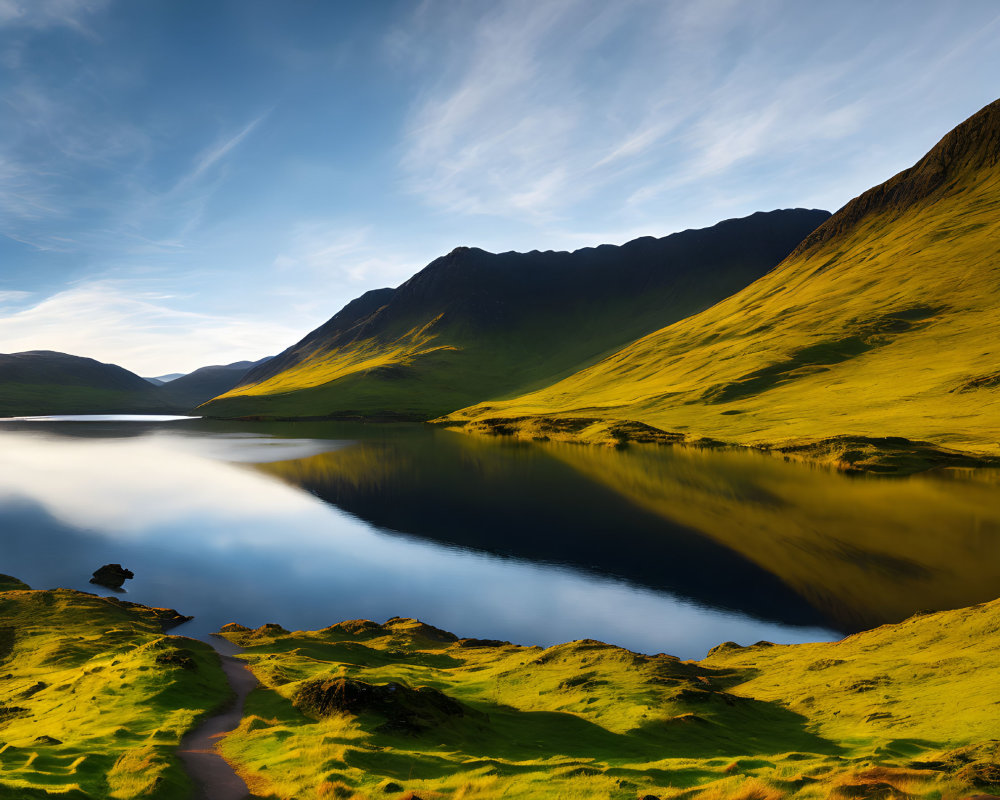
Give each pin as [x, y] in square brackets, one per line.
[44, 382]
[159, 380]
[191, 390]
[474, 325]
[884, 322]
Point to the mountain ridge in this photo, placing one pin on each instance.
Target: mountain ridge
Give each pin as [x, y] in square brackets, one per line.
[474, 324]
[871, 346]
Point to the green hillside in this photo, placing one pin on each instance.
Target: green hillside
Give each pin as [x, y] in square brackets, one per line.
[363, 710]
[94, 698]
[885, 322]
[474, 325]
[44, 382]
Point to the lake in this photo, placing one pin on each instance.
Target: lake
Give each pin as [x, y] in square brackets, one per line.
[655, 549]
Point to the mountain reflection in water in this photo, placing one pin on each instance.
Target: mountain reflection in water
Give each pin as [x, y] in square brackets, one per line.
[733, 529]
[656, 549]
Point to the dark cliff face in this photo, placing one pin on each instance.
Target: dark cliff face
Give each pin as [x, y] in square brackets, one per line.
[492, 294]
[971, 147]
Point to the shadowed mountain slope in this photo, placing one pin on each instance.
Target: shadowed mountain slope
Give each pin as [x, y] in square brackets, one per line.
[44, 382]
[884, 322]
[195, 388]
[474, 325]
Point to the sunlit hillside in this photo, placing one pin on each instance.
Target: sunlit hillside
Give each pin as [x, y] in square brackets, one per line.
[94, 698]
[474, 325]
[884, 322]
[363, 710]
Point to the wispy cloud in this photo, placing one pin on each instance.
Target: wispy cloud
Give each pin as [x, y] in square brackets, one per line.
[542, 112]
[49, 13]
[141, 330]
[352, 257]
[216, 153]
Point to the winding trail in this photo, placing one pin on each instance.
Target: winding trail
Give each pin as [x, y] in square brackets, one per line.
[213, 777]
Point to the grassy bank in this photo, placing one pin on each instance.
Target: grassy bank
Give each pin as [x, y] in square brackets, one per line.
[94, 698]
[366, 710]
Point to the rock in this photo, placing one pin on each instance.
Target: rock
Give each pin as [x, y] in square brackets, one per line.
[406, 710]
[112, 576]
[177, 658]
[47, 740]
[482, 643]
[391, 788]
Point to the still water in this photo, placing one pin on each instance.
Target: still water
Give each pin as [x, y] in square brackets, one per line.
[655, 549]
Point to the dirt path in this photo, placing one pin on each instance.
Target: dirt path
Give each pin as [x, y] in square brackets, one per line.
[213, 778]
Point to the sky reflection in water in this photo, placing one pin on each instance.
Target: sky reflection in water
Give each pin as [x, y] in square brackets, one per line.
[207, 533]
[656, 549]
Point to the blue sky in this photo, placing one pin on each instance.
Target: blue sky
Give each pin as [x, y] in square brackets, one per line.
[186, 182]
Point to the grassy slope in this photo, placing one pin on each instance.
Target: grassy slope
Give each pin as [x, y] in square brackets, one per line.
[37, 383]
[888, 325]
[474, 325]
[87, 709]
[588, 720]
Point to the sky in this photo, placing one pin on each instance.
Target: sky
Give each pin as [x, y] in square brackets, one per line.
[193, 182]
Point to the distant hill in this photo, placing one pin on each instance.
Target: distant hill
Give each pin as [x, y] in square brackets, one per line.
[191, 390]
[42, 382]
[474, 325]
[885, 321]
[159, 380]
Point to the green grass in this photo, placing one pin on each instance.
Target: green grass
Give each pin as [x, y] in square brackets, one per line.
[888, 328]
[892, 707]
[90, 706]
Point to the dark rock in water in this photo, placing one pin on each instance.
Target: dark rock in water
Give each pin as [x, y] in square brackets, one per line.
[47, 740]
[392, 788]
[406, 710]
[112, 576]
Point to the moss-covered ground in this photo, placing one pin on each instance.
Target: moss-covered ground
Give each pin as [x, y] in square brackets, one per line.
[361, 709]
[94, 698]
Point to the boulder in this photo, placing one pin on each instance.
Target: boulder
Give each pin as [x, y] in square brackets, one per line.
[112, 576]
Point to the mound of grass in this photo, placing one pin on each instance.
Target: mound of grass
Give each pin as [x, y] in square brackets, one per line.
[94, 698]
[902, 711]
[883, 324]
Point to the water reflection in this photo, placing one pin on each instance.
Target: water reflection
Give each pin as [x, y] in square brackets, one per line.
[735, 529]
[655, 549]
[195, 511]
